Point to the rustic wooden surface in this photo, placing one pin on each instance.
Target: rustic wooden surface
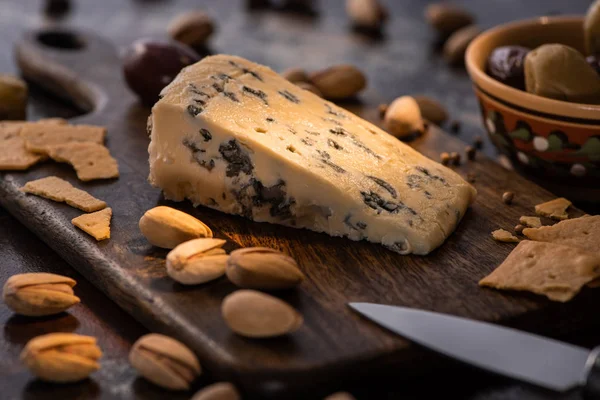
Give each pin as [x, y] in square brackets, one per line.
[454, 284]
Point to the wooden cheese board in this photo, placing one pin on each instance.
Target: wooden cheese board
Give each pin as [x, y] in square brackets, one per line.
[334, 343]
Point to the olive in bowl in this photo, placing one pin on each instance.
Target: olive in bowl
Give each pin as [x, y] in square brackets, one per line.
[524, 126]
[149, 65]
[507, 65]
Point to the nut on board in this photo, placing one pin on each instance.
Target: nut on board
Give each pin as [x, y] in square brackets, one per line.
[39, 294]
[339, 81]
[62, 357]
[164, 361]
[403, 117]
[447, 18]
[167, 227]
[456, 45]
[197, 261]
[192, 28]
[368, 14]
[263, 269]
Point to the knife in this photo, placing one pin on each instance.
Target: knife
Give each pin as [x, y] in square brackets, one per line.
[524, 356]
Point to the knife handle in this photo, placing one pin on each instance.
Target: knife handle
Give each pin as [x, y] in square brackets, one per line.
[591, 375]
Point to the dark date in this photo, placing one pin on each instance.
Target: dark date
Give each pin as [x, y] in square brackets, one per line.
[150, 65]
[507, 65]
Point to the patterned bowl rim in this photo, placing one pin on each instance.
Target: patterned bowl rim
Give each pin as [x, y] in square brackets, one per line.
[475, 62]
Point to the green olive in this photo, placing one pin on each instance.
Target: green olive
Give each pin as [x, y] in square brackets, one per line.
[591, 29]
[561, 72]
[13, 97]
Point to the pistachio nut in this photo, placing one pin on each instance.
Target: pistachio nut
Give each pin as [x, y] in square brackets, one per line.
[197, 261]
[591, 29]
[218, 391]
[13, 97]
[165, 361]
[38, 294]
[167, 227]
[431, 109]
[295, 75]
[258, 315]
[456, 45]
[560, 72]
[339, 81]
[192, 28]
[263, 269]
[369, 14]
[403, 117]
[310, 87]
[447, 18]
[62, 357]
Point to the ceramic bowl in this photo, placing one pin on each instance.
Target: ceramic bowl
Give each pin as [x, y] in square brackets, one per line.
[554, 139]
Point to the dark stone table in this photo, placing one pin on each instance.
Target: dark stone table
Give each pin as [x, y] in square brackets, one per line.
[404, 61]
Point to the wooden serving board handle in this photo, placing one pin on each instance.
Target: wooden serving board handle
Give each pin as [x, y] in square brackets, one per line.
[75, 65]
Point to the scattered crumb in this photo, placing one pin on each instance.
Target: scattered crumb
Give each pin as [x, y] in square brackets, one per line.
[519, 229]
[530, 222]
[555, 209]
[455, 158]
[444, 158]
[478, 142]
[501, 235]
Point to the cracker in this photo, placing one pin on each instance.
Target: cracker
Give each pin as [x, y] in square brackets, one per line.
[501, 235]
[90, 160]
[555, 209]
[532, 222]
[555, 271]
[54, 188]
[96, 224]
[13, 154]
[583, 232]
[40, 137]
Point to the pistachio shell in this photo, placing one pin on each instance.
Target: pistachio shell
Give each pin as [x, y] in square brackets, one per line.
[258, 315]
[263, 268]
[38, 294]
[165, 361]
[167, 227]
[62, 357]
[197, 261]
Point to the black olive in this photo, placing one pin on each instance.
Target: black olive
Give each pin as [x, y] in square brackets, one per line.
[507, 64]
[149, 65]
[594, 61]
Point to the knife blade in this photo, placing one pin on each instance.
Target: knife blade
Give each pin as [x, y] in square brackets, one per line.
[524, 356]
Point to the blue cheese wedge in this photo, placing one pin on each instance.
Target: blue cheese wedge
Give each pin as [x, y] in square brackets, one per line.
[234, 136]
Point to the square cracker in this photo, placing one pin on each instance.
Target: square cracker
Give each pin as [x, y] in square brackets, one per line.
[96, 224]
[40, 137]
[14, 155]
[583, 232]
[555, 271]
[90, 160]
[555, 209]
[54, 188]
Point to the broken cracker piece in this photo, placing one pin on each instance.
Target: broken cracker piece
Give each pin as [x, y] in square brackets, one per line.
[555, 209]
[40, 137]
[583, 232]
[96, 224]
[13, 154]
[90, 160]
[501, 235]
[555, 271]
[531, 222]
[54, 188]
